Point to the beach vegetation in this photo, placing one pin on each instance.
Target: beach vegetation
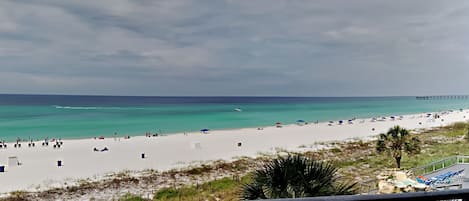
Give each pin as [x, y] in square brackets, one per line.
[459, 126]
[199, 170]
[130, 197]
[295, 176]
[466, 134]
[336, 150]
[16, 196]
[221, 189]
[397, 141]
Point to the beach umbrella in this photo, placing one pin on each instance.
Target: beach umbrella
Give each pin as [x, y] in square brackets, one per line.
[204, 130]
[278, 123]
[300, 121]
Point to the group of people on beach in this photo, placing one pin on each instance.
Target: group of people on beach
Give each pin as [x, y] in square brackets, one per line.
[149, 134]
[3, 145]
[57, 143]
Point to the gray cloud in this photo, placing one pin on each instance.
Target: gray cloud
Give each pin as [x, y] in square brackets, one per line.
[234, 47]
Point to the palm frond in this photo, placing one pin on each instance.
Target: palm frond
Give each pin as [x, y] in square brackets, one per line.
[291, 177]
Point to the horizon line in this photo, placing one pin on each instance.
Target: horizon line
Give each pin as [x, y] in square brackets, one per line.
[229, 96]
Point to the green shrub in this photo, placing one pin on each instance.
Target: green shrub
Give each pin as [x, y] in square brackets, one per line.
[459, 126]
[166, 193]
[130, 197]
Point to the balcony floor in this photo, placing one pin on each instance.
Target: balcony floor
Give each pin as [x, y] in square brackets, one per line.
[464, 179]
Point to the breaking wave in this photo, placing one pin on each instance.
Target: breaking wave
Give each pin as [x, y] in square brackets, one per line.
[91, 108]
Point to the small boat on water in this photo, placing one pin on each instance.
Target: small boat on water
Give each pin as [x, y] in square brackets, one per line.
[238, 109]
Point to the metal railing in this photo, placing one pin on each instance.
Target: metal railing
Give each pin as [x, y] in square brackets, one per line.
[371, 186]
[440, 164]
[437, 195]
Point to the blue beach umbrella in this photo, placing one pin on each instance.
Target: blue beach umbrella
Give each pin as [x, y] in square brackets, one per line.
[204, 130]
[300, 121]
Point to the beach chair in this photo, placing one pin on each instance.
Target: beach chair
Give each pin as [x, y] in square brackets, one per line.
[429, 182]
[444, 178]
[419, 180]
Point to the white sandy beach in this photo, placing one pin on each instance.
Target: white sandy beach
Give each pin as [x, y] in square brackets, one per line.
[39, 170]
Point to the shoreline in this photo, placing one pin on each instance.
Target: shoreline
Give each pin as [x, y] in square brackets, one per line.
[39, 170]
[36, 140]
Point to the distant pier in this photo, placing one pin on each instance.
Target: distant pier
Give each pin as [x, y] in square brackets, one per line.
[449, 97]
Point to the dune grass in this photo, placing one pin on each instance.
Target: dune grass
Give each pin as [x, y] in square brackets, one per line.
[222, 189]
[130, 197]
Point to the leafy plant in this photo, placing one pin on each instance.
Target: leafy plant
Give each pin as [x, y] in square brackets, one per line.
[295, 176]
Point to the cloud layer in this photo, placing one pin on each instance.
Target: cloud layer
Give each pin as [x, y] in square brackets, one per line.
[235, 47]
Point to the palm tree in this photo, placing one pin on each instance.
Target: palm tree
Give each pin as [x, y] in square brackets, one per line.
[295, 176]
[397, 140]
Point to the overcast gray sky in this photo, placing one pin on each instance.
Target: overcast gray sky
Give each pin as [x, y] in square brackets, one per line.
[235, 47]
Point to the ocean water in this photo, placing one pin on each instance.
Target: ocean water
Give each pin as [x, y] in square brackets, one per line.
[58, 116]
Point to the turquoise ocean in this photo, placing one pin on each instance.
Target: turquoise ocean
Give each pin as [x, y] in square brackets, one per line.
[62, 116]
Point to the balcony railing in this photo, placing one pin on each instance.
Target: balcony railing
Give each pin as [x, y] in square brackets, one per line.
[370, 186]
[441, 164]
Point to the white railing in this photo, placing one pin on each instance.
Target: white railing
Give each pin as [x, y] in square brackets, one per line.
[440, 164]
[371, 185]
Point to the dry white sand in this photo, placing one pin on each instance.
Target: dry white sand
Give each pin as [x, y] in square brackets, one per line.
[39, 164]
